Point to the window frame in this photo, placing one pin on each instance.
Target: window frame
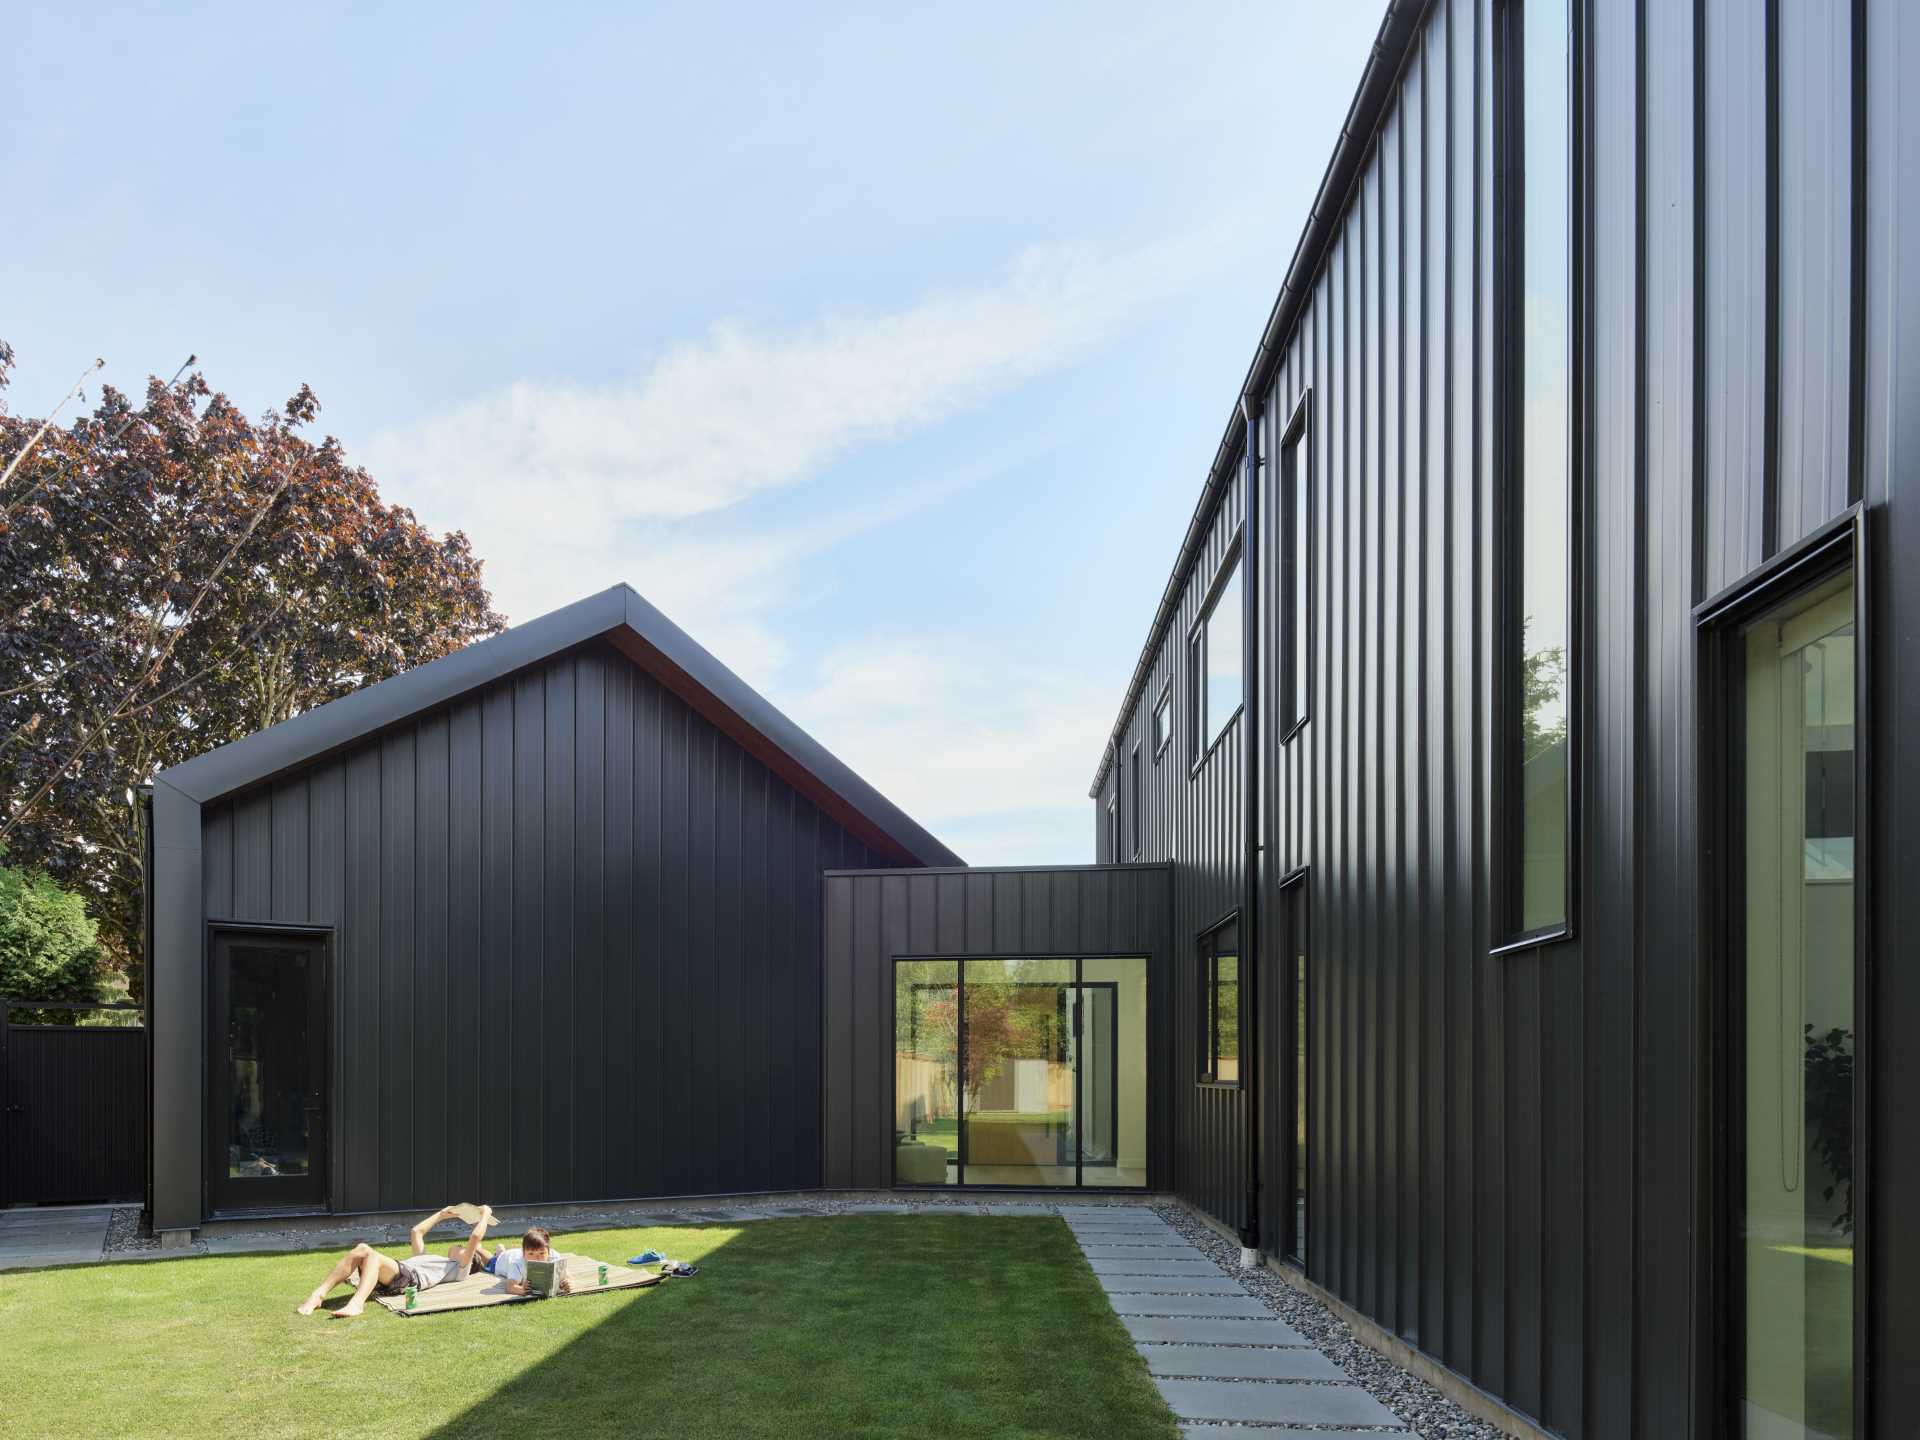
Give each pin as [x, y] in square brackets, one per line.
[1207, 954]
[1163, 705]
[1296, 899]
[1203, 746]
[1113, 823]
[1294, 478]
[1506, 814]
[1838, 547]
[1136, 830]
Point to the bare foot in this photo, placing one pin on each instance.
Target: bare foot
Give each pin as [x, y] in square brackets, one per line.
[311, 1304]
[350, 1309]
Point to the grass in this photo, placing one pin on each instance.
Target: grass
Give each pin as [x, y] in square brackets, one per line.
[854, 1326]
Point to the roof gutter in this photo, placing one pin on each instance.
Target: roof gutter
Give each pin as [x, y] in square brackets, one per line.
[1391, 47]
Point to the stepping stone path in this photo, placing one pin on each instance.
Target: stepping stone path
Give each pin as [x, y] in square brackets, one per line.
[1226, 1364]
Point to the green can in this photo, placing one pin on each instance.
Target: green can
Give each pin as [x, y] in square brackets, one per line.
[411, 1293]
[603, 1274]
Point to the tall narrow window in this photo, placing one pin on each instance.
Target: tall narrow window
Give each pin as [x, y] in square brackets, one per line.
[1296, 539]
[1793, 1001]
[1113, 823]
[1220, 1005]
[1537, 476]
[1162, 723]
[1134, 801]
[1294, 943]
[1217, 662]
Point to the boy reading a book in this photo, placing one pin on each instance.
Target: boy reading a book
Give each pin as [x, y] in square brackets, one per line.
[371, 1273]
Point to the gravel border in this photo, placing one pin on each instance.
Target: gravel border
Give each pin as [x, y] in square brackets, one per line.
[1431, 1415]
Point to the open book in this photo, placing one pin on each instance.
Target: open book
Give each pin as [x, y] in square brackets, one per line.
[543, 1276]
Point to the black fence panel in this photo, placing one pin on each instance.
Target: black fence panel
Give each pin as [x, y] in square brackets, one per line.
[73, 1127]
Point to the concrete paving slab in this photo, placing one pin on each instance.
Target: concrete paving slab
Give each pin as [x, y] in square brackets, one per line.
[1156, 1229]
[1204, 1430]
[1188, 1330]
[1239, 1362]
[1275, 1404]
[878, 1207]
[1020, 1211]
[1242, 1306]
[1172, 1266]
[1138, 1252]
[40, 1258]
[1214, 1284]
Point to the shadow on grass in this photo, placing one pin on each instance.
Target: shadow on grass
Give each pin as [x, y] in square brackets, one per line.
[870, 1326]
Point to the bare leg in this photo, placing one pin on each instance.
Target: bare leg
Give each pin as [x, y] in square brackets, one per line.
[349, 1263]
[375, 1269]
[473, 1252]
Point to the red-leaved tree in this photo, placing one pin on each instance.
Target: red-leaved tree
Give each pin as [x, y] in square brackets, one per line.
[173, 576]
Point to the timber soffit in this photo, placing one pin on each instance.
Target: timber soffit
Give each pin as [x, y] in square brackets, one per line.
[640, 632]
[1392, 46]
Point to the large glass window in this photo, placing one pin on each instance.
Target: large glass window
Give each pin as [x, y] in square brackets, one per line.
[1537, 475]
[1220, 1005]
[1794, 1010]
[1020, 1072]
[1217, 663]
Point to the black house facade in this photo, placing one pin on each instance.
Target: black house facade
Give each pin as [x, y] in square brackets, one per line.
[1501, 852]
[1523, 723]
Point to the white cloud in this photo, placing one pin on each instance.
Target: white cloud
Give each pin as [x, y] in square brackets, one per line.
[567, 487]
[992, 757]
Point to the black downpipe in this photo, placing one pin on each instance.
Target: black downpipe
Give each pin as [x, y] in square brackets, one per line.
[1250, 799]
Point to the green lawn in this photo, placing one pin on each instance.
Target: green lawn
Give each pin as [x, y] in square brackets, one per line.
[856, 1326]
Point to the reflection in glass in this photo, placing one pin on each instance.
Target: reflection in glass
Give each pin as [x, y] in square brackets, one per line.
[1297, 923]
[1020, 1072]
[926, 1072]
[1541, 493]
[1113, 1072]
[1295, 540]
[267, 1043]
[1220, 1005]
[1017, 1078]
[1221, 660]
[1797, 1005]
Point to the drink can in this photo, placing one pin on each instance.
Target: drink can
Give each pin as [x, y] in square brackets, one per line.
[603, 1274]
[411, 1292]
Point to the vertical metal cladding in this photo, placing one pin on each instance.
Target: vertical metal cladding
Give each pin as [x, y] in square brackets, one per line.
[870, 918]
[573, 842]
[1506, 1152]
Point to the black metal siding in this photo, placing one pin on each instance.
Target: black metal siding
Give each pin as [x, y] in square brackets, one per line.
[76, 1127]
[872, 918]
[1506, 1153]
[572, 840]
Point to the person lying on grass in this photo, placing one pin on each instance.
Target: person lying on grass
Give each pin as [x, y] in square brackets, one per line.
[371, 1273]
[510, 1264]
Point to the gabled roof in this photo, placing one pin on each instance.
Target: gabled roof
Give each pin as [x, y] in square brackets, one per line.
[620, 617]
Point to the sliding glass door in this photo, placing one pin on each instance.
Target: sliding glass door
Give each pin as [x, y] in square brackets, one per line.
[1020, 1072]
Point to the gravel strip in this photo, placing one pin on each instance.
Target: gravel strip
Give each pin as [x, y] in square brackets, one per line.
[127, 1236]
[1414, 1401]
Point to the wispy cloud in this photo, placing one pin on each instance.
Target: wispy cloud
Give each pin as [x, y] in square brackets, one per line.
[993, 757]
[567, 487]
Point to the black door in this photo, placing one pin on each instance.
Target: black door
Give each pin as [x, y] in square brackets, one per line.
[268, 1037]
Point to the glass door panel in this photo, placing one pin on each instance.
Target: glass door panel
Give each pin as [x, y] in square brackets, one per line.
[1018, 1113]
[1795, 1011]
[270, 1026]
[926, 1072]
[1113, 1072]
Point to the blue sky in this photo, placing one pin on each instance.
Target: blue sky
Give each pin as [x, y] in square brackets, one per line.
[883, 348]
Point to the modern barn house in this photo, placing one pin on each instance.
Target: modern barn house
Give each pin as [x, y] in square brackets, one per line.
[1503, 848]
